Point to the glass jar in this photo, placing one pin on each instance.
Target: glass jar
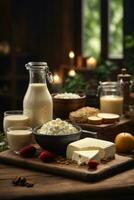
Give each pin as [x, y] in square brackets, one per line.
[37, 103]
[111, 97]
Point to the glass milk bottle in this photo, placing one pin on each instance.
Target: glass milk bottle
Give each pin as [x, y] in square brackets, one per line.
[37, 103]
[111, 97]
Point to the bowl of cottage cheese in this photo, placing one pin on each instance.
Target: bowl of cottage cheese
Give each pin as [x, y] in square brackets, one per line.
[56, 134]
[64, 103]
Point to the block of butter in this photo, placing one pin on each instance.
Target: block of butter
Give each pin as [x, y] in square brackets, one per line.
[83, 157]
[107, 149]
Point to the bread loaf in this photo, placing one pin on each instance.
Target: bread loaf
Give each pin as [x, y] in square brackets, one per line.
[81, 115]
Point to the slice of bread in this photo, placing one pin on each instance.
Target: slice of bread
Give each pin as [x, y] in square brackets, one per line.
[95, 120]
[108, 118]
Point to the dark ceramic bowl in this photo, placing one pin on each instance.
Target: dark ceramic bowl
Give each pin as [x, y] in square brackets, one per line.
[62, 107]
[55, 143]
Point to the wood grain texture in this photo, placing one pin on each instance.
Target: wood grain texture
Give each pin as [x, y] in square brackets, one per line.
[117, 165]
[47, 186]
[107, 131]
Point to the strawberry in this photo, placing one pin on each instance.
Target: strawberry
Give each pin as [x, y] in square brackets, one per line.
[28, 151]
[46, 156]
[92, 164]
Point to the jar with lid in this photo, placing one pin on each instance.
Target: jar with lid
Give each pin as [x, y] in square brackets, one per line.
[111, 97]
[37, 102]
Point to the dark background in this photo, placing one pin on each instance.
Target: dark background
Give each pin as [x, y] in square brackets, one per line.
[44, 30]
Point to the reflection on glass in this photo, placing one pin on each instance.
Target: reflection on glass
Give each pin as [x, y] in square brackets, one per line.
[91, 28]
[115, 25]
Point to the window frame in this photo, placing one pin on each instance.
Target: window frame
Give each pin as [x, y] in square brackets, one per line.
[104, 43]
[104, 33]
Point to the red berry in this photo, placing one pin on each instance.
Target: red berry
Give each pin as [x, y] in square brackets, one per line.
[46, 156]
[92, 164]
[28, 151]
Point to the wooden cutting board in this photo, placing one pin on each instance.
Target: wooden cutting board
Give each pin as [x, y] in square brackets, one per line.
[118, 165]
[108, 131]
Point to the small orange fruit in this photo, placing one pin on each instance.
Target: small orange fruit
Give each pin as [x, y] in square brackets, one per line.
[124, 142]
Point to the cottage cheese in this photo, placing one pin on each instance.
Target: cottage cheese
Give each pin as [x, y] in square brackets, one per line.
[67, 96]
[57, 127]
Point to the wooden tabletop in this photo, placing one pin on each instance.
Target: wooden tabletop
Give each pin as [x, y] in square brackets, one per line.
[48, 186]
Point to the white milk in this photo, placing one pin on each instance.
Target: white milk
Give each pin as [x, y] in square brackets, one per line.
[15, 120]
[17, 139]
[37, 104]
[111, 104]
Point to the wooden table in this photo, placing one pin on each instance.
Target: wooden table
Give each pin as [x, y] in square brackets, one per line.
[47, 186]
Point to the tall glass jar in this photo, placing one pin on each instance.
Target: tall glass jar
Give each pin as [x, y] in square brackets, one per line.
[37, 103]
[111, 97]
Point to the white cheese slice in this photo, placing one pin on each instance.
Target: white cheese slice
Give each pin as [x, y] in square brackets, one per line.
[106, 148]
[83, 157]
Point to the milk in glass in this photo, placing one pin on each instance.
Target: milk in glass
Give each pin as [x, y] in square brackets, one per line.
[18, 138]
[37, 103]
[111, 97]
[14, 118]
[111, 104]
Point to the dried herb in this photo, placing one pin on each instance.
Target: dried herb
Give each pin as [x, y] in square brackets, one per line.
[22, 181]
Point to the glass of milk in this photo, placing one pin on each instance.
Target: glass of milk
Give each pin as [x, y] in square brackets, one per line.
[14, 118]
[18, 137]
[111, 97]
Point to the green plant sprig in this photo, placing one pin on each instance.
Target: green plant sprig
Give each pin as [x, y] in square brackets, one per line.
[3, 143]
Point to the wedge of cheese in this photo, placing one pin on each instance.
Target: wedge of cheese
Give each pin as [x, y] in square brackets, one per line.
[106, 149]
[83, 157]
